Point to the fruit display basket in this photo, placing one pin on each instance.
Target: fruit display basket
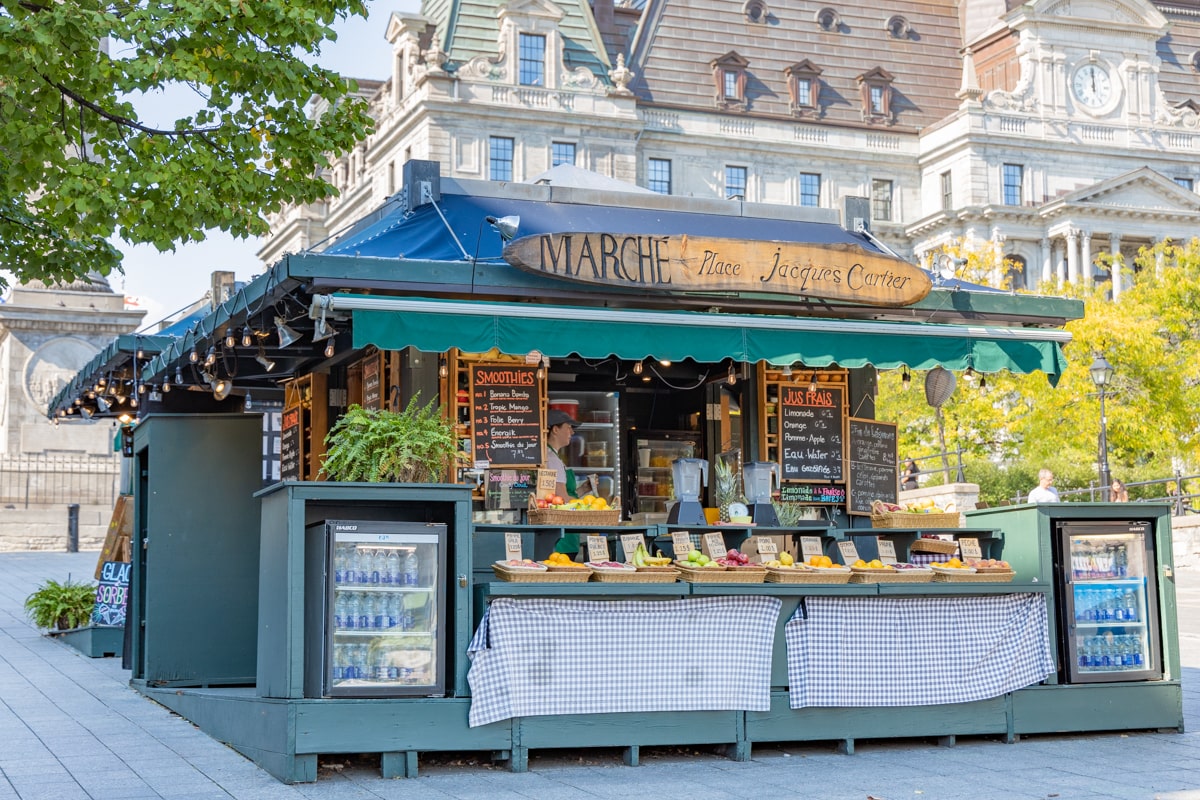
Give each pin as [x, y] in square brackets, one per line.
[519, 575]
[934, 546]
[575, 516]
[882, 518]
[723, 574]
[804, 575]
[639, 575]
[869, 575]
[981, 576]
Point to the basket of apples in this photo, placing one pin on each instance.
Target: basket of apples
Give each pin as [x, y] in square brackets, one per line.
[587, 510]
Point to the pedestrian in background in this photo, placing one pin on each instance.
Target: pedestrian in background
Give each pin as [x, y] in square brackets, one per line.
[1117, 493]
[1044, 492]
[909, 478]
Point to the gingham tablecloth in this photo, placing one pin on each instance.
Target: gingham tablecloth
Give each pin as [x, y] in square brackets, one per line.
[893, 651]
[545, 656]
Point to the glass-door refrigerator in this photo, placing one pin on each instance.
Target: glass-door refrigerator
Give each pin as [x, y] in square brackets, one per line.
[1109, 608]
[651, 485]
[379, 613]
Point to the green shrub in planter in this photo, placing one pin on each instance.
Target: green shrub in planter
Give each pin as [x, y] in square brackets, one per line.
[416, 445]
[61, 606]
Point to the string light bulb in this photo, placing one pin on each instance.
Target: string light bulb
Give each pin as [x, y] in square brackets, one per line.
[906, 380]
[982, 381]
[637, 368]
[329, 349]
[812, 384]
[246, 337]
[249, 403]
[211, 358]
[230, 339]
[166, 386]
[731, 377]
[194, 356]
[179, 376]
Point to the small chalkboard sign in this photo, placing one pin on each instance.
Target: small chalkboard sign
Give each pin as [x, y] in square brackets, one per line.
[812, 493]
[291, 448]
[873, 474]
[372, 377]
[810, 433]
[506, 414]
[111, 594]
[509, 488]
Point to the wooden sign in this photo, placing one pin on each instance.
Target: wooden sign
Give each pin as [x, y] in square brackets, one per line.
[681, 543]
[811, 546]
[969, 547]
[886, 549]
[372, 378]
[291, 445]
[810, 434]
[111, 594]
[506, 414]
[714, 545]
[872, 459]
[812, 493]
[116, 540]
[597, 546]
[512, 546]
[849, 552]
[684, 263]
[629, 544]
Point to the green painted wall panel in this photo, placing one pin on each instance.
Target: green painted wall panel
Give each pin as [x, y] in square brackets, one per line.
[1098, 707]
[782, 724]
[353, 726]
[623, 730]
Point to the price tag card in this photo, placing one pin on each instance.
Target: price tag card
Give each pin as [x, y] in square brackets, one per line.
[512, 546]
[887, 550]
[714, 545]
[629, 543]
[969, 547]
[811, 546]
[681, 543]
[767, 548]
[597, 545]
[849, 552]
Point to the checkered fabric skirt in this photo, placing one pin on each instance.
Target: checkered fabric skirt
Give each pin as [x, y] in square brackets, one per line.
[893, 651]
[531, 657]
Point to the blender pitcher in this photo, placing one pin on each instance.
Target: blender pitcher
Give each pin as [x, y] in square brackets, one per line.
[688, 474]
[758, 478]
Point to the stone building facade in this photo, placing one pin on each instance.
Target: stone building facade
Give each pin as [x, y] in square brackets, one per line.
[1050, 132]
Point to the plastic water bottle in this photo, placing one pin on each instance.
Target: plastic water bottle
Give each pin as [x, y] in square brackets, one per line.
[339, 565]
[395, 608]
[339, 610]
[373, 566]
[411, 568]
[1131, 605]
[339, 662]
[379, 611]
[361, 668]
[362, 565]
[350, 613]
[363, 615]
[391, 572]
[1137, 650]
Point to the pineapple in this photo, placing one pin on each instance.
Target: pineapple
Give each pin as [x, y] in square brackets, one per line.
[727, 489]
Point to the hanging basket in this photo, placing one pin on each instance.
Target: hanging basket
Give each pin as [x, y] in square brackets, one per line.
[939, 385]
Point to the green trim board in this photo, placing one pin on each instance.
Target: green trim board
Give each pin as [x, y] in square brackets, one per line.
[439, 325]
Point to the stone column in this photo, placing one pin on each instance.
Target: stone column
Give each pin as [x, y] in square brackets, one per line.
[1047, 263]
[1073, 256]
[1159, 258]
[1085, 259]
[1060, 262]
[1114, 246]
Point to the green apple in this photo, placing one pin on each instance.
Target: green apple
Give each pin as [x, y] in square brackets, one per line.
[703, 560]
[694, 555]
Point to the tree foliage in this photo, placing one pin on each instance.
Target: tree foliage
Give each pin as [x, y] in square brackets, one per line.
[79, 166]
[1009, 426]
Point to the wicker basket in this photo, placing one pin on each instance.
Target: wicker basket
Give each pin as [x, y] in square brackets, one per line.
[724, 575]
[640, 575]
[907, 519]
[807, 575]
[575, 518]
[934, 546]
[975, 577]
[571, 575]
[861, 575]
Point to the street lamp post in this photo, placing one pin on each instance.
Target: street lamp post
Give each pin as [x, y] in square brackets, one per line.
[1102, 373]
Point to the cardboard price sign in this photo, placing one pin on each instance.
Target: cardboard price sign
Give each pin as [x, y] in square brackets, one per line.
[512, 546]
[681, 543]
[767, 546]
[597, 546]
[630, 542]
[714, 545]
[811, 546]
[849, 552]
[887, 550]
[969, 548]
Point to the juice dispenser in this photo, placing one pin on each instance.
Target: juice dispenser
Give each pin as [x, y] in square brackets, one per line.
[758, 479]
[688, 475]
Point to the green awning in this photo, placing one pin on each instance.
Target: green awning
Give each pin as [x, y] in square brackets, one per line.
[391, 323]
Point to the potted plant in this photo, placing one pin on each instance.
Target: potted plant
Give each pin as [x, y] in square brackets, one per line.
[61, 606]
[416, 445]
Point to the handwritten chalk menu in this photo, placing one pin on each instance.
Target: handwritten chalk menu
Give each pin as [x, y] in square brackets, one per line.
[372, 378]
[111, 593]
[291, 445]
[873, 473]
[812, 493]
[506, 414]
[509, 488]
[810, 433]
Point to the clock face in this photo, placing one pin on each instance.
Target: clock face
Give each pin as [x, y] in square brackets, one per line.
[1091, 85]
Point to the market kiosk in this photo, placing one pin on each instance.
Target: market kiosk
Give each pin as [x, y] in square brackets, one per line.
[616, 324]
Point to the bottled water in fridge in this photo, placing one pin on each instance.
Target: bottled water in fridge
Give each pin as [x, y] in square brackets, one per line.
[411, 568]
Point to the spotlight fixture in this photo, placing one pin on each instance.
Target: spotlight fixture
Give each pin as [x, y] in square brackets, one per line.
[211, 358]
[505, 226]
[906, 380]
[287, 336]
[247, 339]
[323, 330]
[125, 418]
[179, 376]
[230, 339]
[637, 368]
[787, 371]
[194, 356]
[102, 405]
[86, 412]
[263, 361]
[221, 387]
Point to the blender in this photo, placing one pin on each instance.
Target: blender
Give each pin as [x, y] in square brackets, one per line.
[758, 478]
[688, 474]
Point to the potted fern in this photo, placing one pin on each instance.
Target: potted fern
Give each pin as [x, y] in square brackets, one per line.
[66, 610]
[416, 445]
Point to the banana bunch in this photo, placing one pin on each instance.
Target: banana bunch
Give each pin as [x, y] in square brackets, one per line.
[642, 558]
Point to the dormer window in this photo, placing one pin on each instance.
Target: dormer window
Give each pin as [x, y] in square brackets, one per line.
[804, 87]
[876, 95]
[532, 60]
[729, 79]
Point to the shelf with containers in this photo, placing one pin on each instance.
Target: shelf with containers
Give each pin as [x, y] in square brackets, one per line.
[594, 452]
[652, 486]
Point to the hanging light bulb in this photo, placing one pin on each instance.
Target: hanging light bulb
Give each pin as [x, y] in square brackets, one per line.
[166, 386]
[246, 337]
[133, 401]
[140, 354]
[663, 363]
[249, 403]
[906, 380]
[141, 388]
[443, 368]
[731, 378]
[230, 339]
[637, 368]
[329, 349]
[982, 381]
[194, 356]
[211, 358]
[179, 376]
[812, 384]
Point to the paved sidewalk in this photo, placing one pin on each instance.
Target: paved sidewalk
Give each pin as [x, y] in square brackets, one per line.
[70, 727]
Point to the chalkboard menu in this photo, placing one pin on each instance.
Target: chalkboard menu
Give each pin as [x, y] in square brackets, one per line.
[506, 414]
[512, 488]
[111, 594]
[372, 378]
[812, 493]
[810, 433]
[291, 435]
[872, 464]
